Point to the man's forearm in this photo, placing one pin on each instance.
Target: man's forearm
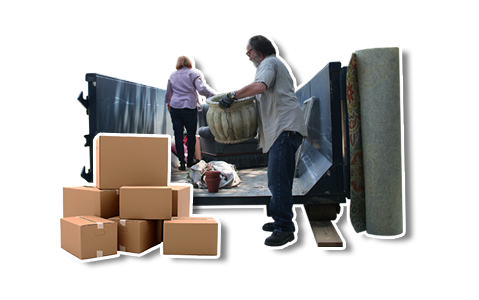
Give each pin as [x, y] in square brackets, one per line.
[251, 89]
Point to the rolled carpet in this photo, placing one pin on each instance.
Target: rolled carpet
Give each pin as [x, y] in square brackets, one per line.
[376, 142]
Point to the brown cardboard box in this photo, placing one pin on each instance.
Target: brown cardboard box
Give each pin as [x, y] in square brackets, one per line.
[89, 236]
[190, 236]
[131, 160]
[136, 236]
[145, 202]
[181, 200]
[86, 201]
[160, 231]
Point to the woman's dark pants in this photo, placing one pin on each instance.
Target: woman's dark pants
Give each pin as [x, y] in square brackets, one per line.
[181, 119]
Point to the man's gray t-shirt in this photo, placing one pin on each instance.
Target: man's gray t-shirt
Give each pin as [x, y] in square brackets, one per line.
[278, 107]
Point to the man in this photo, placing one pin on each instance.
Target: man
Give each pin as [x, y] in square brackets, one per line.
[281, 130]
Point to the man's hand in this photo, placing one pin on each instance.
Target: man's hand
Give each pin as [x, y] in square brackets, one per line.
[225, 102]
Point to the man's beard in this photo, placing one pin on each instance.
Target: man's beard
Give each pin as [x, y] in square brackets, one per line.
[256, 60]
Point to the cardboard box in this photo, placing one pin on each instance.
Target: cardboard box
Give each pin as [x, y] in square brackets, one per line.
[160, 231]
[90, 201]
[146, 202]
[89, 236]
[131, 160]
[136, 236]
[181, 200]
[190, 236]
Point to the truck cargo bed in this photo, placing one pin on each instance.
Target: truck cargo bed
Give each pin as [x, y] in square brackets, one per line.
[322, 182]
[253, 189]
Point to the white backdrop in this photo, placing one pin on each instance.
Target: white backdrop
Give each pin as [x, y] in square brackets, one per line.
[49, 46]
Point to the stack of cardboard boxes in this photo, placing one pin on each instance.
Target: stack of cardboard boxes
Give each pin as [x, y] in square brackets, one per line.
[133, 207]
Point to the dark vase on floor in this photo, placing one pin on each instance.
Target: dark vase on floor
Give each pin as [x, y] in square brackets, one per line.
[212, 179]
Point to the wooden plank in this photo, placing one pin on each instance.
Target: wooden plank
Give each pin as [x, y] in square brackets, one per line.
[325, 234]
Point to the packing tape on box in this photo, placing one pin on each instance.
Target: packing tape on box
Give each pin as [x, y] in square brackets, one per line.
[122, 248]
[99, 225]
[123, 222]
[99, 253]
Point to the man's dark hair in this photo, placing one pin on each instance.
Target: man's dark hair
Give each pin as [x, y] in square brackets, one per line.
[262, 45]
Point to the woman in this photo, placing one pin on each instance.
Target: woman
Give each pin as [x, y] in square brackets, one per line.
[183, 102]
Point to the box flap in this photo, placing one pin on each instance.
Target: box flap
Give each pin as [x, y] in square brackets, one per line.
[192, 218]
[178, 187]
[145, 188]
[87, 220]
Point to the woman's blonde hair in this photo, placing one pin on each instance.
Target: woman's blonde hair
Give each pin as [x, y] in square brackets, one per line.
[183, 61]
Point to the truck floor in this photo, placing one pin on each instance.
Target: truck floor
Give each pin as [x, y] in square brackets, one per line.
[252, 190]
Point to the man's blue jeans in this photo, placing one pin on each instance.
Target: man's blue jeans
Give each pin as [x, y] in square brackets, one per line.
[281, 165]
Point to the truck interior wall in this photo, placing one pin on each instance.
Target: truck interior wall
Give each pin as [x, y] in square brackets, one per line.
[119, 106]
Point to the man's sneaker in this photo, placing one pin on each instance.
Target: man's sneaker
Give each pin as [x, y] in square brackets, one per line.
[279, 238]
[269, 227]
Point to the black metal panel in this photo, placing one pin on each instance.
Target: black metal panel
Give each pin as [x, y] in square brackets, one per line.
[303, 93]
[323, 153]
[321, 137]
[118, 106]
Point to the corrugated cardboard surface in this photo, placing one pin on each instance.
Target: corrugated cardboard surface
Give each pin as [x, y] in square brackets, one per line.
[146, 202]
[190, 236]
[86, 201]
[88, 236]
[131, 161]
[137, 236]
[159, 231]
[181, 200]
